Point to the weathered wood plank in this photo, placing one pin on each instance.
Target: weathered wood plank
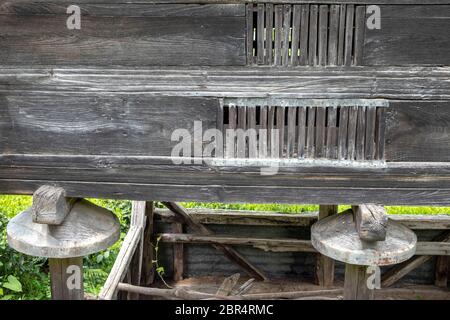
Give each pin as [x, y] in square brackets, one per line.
[312, 41]
[333, 37]
[371, 222]
[409, 35]
[148, 41]
[441, 271]
[118, 8]
[178, 254]
[355, 284]
[59, 278]
[323, 35]
[324, 275]
[304, 31]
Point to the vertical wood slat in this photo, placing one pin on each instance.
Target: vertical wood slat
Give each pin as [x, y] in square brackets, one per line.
[148, 266]
[250, 32]
[333, 35]
[380, 135]
[370, 133]
[263, 152]
[280, 127]
[269, 34]
[241, 124]
[324, 275]
[360, 18]
[320, 132]
[349, 35]
[301, 132]
[252, 143]
[286, 34]
[278, 34]
[270, 135]
[178, 254]
[361, 133]
[323, 34]
[332, 133]
[342, 139]
[312, 47]
[260, 34]
[59, 277]
[290, 147]
[341, 34]
[310, 137]
[442, 269]
[230, 145]
[295, 34]
[304, 31]
[352, 124]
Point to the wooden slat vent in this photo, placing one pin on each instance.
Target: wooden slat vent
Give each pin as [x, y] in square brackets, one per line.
[307, 34]
[304, 129]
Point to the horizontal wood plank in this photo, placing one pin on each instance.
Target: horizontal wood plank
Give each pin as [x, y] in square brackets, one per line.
[409, 35]
[123, 40]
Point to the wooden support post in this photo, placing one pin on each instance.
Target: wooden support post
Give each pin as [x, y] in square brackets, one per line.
[148, 268]
[355, 284]
[66, 278]
[229, 252]
[178, 253]
[441, 271]
[324, 275]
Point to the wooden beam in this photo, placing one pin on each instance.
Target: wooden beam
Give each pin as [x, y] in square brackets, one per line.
[355, 284]
[399, 271]
[229, 252]
[371, 222]
[324, 275]
[441, 271]
[148, 267]
[59, 277]
[178, 254]
[269, 218]
[121, 264]
[275, 245]
[50, 205]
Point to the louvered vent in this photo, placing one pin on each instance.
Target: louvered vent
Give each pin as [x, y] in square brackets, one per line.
[308, 34]
[304, 129]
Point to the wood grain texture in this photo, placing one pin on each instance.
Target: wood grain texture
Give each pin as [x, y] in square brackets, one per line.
[59, 278]
[123, 40]
[409, 35]
[355, 284]
[245, 1]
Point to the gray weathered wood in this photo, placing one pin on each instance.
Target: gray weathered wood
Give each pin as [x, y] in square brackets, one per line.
[50, 205]
[324, 274]
[66, 278]
[178, 255]
[441, 271]
[304, 27]
[164, 40]
[86, 229]
[312, 41]
[323, 35]
[337, 238]
[371, 222]
[355, 284]
[228, 284]
[333, 36]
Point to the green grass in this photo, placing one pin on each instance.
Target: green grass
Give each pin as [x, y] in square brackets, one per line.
[32, 273]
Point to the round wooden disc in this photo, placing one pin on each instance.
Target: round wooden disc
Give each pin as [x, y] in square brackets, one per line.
[86, 229]
[336, 237]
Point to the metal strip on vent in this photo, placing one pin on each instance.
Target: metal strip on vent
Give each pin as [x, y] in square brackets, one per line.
[334, 129]
[307, 34]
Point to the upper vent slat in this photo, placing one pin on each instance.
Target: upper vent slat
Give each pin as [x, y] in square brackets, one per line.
[307, 34]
